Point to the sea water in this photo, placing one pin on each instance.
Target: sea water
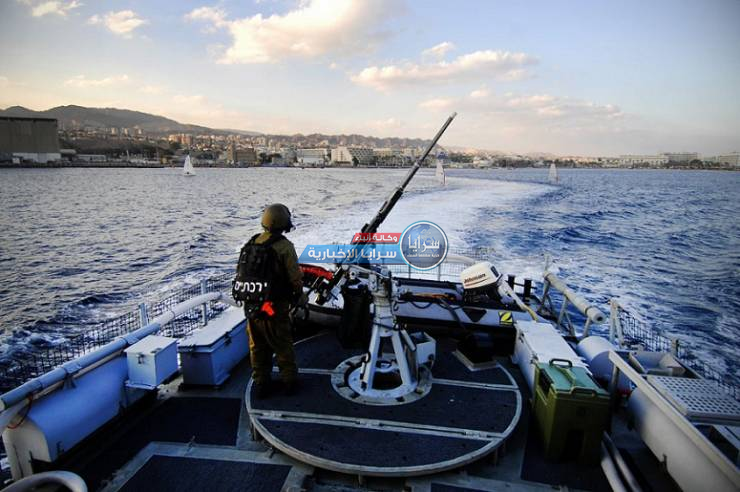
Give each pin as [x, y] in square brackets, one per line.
[80, 245]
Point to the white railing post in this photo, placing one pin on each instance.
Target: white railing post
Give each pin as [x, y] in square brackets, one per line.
[586, 328]
[615, 325]
[562, 310]
[545, 294]
[204, 306]
[675, 344]
[143, 315]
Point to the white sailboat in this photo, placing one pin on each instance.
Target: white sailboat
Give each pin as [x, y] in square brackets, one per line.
[188, 169]
[440, 173]
[553, 177]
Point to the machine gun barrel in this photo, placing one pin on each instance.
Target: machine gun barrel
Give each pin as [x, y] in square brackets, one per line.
[323, 288]
[388, 205]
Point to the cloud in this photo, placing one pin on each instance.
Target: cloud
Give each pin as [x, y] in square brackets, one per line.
[53, 7]
[390, 123]
[314, 29]
[439, 51]
[123, 22]
[152, 89]
[529, 109]
[546, 106]
[211, 14]
[201, 110]
[488, 63]
[188, 100]
[82, 82]
[4, 81]
[437, 104]
[215, 17]
[543, 122]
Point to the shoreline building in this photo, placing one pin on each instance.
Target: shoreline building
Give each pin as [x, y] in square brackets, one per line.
[353, 155]
[311, 157]
[637, 160]
[241, 157]
[730, 160]
[680, 157]
[389, 157]
[29, 139]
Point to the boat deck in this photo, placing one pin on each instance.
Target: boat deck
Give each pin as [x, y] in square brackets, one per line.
[194, 438]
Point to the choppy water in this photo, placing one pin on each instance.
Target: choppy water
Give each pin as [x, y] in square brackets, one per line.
[77, 245]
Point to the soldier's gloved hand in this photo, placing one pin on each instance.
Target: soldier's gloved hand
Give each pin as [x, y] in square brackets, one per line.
[302, 300]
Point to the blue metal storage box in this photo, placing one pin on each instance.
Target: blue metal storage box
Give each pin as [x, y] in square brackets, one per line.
[208, 355]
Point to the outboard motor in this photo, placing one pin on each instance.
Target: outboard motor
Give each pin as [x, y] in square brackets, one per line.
[480, 283]
[480, 293]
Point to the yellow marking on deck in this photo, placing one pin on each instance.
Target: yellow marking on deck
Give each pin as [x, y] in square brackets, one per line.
[505, 317]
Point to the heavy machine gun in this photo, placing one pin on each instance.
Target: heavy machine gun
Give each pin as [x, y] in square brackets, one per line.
[323, 287]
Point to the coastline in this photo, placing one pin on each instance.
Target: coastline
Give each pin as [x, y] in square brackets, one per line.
[137, 165]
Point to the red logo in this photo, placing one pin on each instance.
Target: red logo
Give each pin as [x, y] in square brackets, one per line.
[376, 238]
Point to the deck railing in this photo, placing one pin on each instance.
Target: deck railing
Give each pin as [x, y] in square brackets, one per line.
[449, 270]
[34, 363]
[626, 331]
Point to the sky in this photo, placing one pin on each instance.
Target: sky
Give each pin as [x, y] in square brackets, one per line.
[591, 77]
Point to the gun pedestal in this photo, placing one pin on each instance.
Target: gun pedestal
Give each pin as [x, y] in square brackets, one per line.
[393, 377]
[372, 411]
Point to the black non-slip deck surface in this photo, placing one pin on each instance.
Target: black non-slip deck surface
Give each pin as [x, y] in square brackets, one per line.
[203, 420]
[322, 352]
[166, 473]
[325, 352]
[448, 366]
[445, 406]
[536, 469]
[369, 447]
[441, 487]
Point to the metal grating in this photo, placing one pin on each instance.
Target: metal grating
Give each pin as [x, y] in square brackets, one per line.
[697, 398]
[34, 363]
[638, 335]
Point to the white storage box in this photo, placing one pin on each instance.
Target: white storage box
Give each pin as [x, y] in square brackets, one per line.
[151, 361]
[426, 348]
[209, 354]
[540, 342]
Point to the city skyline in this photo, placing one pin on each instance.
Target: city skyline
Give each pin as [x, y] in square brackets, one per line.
[574, 78]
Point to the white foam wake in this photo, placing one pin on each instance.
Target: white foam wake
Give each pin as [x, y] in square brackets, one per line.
[455, 208]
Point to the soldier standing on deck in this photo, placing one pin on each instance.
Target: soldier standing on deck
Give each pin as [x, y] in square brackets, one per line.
[269, 324]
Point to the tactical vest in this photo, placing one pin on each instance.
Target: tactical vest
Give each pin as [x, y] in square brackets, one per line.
[260, 275]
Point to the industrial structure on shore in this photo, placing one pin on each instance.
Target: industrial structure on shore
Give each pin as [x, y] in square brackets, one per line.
[29, 139]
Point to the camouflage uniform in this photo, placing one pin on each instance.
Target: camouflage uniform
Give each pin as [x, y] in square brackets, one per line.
[273, 335]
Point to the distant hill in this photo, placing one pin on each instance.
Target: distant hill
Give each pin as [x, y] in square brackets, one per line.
[79, 116]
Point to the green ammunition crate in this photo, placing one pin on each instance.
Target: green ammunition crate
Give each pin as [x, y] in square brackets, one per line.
[572, 412]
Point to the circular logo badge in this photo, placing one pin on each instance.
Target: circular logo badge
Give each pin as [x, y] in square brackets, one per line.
[424, 245]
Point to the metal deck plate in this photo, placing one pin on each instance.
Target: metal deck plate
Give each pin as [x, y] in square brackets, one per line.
[697, 398]
[465, 416]
[163, 473]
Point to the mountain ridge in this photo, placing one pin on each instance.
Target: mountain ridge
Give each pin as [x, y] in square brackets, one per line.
[71, 116]
[81, 116]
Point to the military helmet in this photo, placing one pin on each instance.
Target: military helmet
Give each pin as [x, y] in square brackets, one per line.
[276, 218]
